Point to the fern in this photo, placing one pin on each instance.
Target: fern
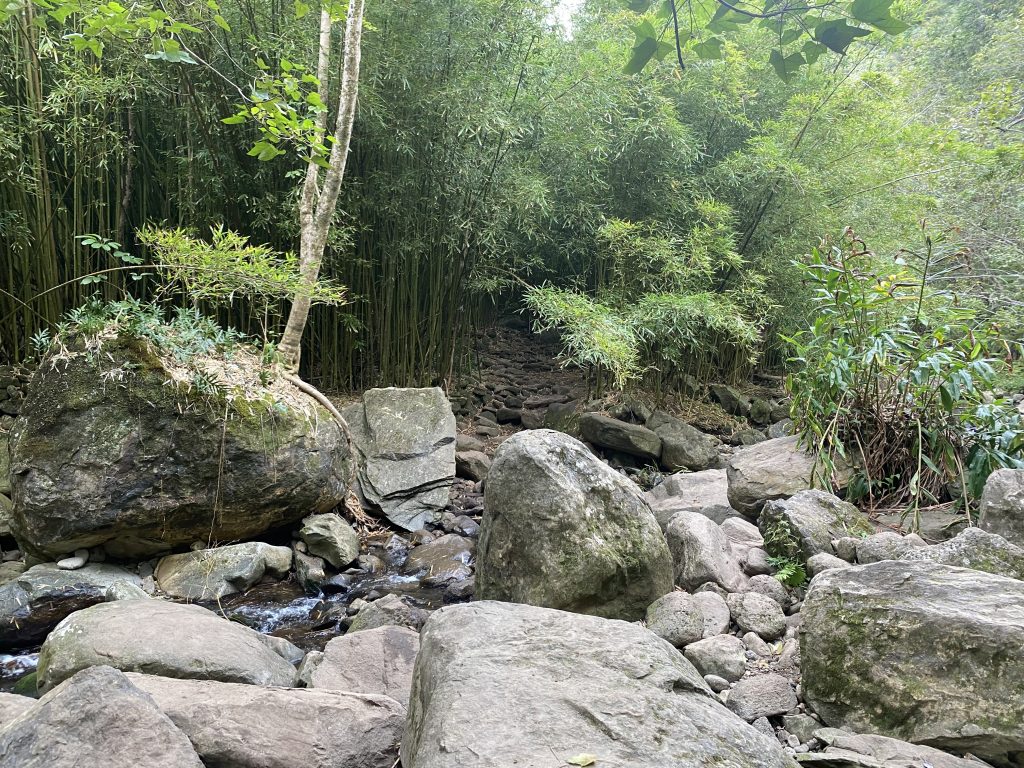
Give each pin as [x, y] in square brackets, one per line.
[789, 572]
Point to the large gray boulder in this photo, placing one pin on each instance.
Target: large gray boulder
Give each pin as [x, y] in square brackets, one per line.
[330, 537]
[1002, 505]
[927, 653]
[807, 523]
[501, 685]
[563, 530]
[209, 574]
[974, 548]
[773, 469]
[232, 725]
[34, 602]
[97, 718]
[702, 553]
[378, 661]
[160, 638]
[140, 467]
[405, 439]
[848, 750]
[683, 446]
[634, 439]
[704, 492]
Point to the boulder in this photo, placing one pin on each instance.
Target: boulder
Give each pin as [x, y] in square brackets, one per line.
[715, 612]
[704, 492]
[683, 446]
[975, 549]
[330, 537]
[97, 718]
[731, 399]
[405, 439]
[823, 561]
[209, 574]
[722, 656]
[848, 750]
[5, 463]
[805, 524]
[502, 685]
[927, 653]
[160, 638]
[34, 602]
[472, 465]
[762, 696]
[6, 514]
[247, 726]
[561, 529]
[754, 612]
[773, 469]
[702, 553]
[142, 467]
[13, 706]
[622, 436]
[770, 587]
[442, 560]
[677, 618]
[1002, 505]
[390, 610]
[378, 661]
[886, 545]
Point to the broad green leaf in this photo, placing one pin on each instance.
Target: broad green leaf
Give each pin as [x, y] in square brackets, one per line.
[301, 9]
[877, 13]
[812, 51]
[642, 53]
[221, 22]
[785, 66]
[234, 119]
[837, 35]
[710, 48]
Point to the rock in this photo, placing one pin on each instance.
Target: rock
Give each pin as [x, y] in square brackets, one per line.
[886, 545]
[97, 718]
[773, 469]
[390, 610]
[12, 706]
[701, 553]
[6, 513]
[747, 437]
[1002, 505]
[80, 558]
[753, 612]
[160, 638]
[721, 655]
[741, 533]
[760, 411]
[762, 696]
[683, 446]
[872, 751]
[756, 562]
[716, 683]
[806, 524]
[755, 645]
[378, 661]
[845, 548]
[405, 439]
[330, 537]
[209, 574]
[823, 561]
[5, 463]
[562, 529]
[533, 418]
[468, 443]
[472, 465]
[782, 428]
[124, 590]
[490, 677]
[677, 618]
[632, 439]
[34, 602]
[704, 492]
[801, 726]
[975, 549]
[247, 726]
[731, 399]
[715, 612]
[443, 560]
[563, 417]
[132, 468]
[310, 572]
[770, 587]
[923, 652]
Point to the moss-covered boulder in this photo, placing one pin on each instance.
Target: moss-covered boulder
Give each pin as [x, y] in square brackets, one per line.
[563, 530]
[923, 652]
[115, 446]
[807, 523]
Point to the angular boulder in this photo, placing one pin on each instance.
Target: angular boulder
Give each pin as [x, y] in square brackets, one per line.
[702, 553]
[976, 549]
[378, 661]
[330, 537]
[139, 467]
[705, 492]
[683, 446]
[97, 718]
[807, 523]
[634, 439]
[928, 653]
[1002, 505]
[249, 726]
[405, 439]
[160, 638]
[847, 750]
[498, 684]
[209, 574]
[563, 530]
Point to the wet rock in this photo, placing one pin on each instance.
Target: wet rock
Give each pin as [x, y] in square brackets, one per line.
[562, 529]
[683, 446]
[975, 549]
[160, 638]
[96, 718]
[721, 655]
[472, 465]
[677, 618]
[631, 439]
[806, 524]
[378, 661]
[762, 696]
[491, 676]
[444, 560]
[1002, 505]
[209, 574]
[390, 610]
[330, 537]
[701, 553]
[458, 591]
[310, 572]
[753, 612]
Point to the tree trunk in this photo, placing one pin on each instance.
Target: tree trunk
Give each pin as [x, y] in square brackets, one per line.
[316, 205]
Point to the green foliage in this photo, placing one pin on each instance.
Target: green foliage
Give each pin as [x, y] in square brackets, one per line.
[790, 572]
[894, 376]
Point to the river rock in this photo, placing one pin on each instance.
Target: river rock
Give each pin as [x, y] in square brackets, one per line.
[12, 706]
[683, 446]
[704, 492]
[823, 561]
[886, 545]
[702, 553]
[378, 661]
[5, 462]
[927, 653]
[406, 442]
[6, 514]
[731, 399]
[443, 560]
[561, 529]
[773, 469]
[753, 612]
[390, 610]
[722, 655]
[622, 436]
[715, 612]
[247, 726]
[1002, 505]
[160, 638]
[498, 684]
[97, 718]
[472, 465]
[807, 523]
[677, 618]
[770, 587]
[976, 549]
[848, 750]
[330, 537]
[138, 469]
[762, 696]
[34, 602]
[209, 574]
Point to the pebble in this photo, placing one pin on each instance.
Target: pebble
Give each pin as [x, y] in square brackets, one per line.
[80, 558]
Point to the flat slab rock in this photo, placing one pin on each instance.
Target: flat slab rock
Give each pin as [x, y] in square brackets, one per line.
[501, 684]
